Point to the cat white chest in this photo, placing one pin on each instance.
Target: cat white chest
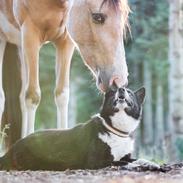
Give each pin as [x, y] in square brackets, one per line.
[119, 146]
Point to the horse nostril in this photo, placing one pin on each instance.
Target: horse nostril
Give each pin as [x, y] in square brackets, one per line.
[101, 85]
[99, 80]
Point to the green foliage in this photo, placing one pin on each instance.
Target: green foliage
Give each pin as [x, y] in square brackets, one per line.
[46, 113]
[3, 136]
[88, 97]
[149, 33]
[149, 43]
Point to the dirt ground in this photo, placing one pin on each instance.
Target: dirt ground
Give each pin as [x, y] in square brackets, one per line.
[167, 174]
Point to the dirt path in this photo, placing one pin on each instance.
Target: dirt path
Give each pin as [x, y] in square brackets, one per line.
[107, 175]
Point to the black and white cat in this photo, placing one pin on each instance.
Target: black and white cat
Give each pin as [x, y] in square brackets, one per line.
[121, 115]
[103, 140]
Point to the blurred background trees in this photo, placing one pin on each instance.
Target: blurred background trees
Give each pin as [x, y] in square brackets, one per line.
[176, 70]
[155, 60]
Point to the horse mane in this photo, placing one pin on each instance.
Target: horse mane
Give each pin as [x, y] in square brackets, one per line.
[123, 7]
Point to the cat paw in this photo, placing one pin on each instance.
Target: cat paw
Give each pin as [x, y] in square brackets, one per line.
[142, 165]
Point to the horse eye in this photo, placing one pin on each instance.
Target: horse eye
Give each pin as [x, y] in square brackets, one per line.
[98, 18]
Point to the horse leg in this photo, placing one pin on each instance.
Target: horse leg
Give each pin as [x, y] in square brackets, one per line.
[22, 95]
[64, 50]
[2, 98]
[31, 93]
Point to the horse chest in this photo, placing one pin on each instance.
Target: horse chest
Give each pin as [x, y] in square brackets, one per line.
[119, 146]
[52, 31]
[49, 17]
[51, 24]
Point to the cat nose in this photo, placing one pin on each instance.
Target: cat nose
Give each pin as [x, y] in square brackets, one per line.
[121, 90]
[121, 93]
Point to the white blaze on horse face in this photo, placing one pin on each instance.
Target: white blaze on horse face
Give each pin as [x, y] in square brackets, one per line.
[101, 45]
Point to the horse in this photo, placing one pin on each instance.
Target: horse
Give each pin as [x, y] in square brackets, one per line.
[95, 27]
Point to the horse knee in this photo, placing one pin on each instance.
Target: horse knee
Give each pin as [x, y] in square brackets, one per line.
[32, 98]
[62, 97]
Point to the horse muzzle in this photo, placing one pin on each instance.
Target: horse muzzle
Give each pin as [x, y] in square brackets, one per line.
[103, 83]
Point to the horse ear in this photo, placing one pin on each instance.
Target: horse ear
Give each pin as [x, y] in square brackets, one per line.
[140, 94]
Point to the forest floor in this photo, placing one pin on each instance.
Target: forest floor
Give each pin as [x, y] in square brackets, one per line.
[167, 174]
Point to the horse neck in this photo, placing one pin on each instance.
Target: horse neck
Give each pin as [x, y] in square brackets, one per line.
[72, 4]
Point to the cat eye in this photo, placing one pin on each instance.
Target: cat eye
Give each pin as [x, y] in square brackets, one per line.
[99, 18]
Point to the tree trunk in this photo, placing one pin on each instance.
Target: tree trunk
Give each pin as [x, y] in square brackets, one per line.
[147, 119]
[159, 123]
[176, 66]
[12, 86]
[136, 77]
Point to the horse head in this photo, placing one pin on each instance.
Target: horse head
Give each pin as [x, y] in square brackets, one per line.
[98, 28]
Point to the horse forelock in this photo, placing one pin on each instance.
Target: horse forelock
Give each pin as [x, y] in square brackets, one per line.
[123, 7]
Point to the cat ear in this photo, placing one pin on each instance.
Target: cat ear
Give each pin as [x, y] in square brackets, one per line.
[140, 94]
